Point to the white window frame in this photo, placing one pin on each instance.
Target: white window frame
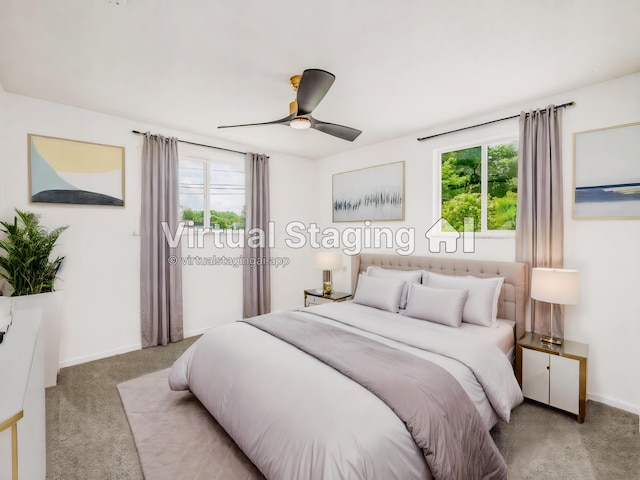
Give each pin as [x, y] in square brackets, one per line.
[437, 191]
[207, 185]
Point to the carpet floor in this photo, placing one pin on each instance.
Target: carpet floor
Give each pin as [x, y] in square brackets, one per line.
[88, 436]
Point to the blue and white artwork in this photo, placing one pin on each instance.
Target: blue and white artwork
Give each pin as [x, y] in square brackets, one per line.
[607, 173]
[375, 193]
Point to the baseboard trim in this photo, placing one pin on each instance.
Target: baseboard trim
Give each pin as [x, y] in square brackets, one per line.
[98, 356]
[614, 403]
[193, 333]
[118, 351]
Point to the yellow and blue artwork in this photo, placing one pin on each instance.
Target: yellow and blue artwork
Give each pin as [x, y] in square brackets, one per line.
[75, 172]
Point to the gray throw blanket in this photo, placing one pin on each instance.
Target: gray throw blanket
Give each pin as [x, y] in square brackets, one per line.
[435, 409]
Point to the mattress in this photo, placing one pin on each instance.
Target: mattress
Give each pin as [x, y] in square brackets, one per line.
[503, 336]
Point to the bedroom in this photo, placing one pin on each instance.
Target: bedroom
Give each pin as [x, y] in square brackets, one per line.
[102, 244]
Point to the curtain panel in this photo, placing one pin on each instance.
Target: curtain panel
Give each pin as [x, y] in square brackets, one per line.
[160, 265]
[540, 222]
[256, 268]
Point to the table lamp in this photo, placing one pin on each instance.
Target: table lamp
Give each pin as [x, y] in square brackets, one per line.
[327, 261]
[555, 286]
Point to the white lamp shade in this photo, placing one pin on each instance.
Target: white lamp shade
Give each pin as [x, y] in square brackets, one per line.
[555, 285]
[328, 260]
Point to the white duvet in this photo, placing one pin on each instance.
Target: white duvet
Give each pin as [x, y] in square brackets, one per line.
[297, 418]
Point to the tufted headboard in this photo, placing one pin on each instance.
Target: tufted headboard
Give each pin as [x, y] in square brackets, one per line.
[512, 301]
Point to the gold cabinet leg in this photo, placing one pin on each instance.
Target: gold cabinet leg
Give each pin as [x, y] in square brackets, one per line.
[12, 423]
[14, 451]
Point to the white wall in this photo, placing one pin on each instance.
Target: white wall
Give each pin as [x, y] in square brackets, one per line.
[605, 252]
[2, 142]
[607, 255]
[100, 275]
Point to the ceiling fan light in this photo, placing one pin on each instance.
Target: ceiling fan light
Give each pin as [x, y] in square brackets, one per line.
[300, 123]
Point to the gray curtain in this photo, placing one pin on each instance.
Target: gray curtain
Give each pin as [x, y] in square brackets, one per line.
[256, 269]
[160, 265]
[540, 224]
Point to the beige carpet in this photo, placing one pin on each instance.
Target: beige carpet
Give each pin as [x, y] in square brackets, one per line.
[176, 437]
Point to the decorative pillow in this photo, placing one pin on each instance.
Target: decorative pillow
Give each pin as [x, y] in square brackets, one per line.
[407, 275]
[481, 307]
[438, 305]
[381, 293]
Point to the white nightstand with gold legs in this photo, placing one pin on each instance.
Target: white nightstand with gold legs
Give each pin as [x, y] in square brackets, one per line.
[555, 375]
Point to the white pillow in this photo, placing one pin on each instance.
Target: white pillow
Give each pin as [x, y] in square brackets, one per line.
[381, 293]
[438, 305]
[407, 275]
[481, 307]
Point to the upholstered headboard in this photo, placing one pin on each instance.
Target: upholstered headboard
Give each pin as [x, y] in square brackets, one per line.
[512, 301]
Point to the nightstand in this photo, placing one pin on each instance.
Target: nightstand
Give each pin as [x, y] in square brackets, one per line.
[553, 375]
[315, 297]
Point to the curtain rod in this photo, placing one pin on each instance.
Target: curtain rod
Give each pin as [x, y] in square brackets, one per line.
[199, 144]
[490, 122]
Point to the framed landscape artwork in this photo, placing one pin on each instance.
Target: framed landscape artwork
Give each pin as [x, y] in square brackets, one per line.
[606, 173]
[74, 172]
[374, 193]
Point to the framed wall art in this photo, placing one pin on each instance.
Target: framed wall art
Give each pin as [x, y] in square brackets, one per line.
[606, 173]
[75, 172]
[374, 193]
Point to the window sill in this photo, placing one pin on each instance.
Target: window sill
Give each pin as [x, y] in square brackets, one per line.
[484, 235]
[221, 231]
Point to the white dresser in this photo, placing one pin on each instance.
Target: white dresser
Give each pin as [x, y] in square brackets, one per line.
[22, 399]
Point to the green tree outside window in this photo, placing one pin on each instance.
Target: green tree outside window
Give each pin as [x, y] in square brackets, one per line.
[462, 190]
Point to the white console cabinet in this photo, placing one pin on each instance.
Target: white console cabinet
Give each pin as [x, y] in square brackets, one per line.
[22, 399]
[554, 375]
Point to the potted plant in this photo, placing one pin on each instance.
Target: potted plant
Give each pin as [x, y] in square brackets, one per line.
[27, 266]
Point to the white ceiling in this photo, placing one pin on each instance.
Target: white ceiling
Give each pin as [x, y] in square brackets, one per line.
[401, 66]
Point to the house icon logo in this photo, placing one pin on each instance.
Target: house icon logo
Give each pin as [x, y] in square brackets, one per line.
[443, 233]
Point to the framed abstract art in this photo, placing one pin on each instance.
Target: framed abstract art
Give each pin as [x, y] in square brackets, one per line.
[374, 193]
[75, 172]
[606, 173]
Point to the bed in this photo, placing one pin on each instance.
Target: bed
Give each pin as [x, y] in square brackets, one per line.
[353, 391]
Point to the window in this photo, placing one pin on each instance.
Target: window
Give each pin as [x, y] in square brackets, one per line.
[212, 193]
[480, 182]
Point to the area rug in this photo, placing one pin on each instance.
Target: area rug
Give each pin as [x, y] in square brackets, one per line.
[176, 437]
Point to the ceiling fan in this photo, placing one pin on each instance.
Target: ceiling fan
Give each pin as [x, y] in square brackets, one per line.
[311, 87]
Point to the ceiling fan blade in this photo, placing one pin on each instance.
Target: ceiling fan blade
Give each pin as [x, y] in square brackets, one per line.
[340, 131]
[282, 121]
[314, 85]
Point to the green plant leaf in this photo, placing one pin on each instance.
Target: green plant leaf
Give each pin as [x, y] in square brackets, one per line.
[26, 263]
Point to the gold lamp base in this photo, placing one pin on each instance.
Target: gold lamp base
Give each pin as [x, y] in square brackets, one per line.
[551, 340]
[327, 286]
